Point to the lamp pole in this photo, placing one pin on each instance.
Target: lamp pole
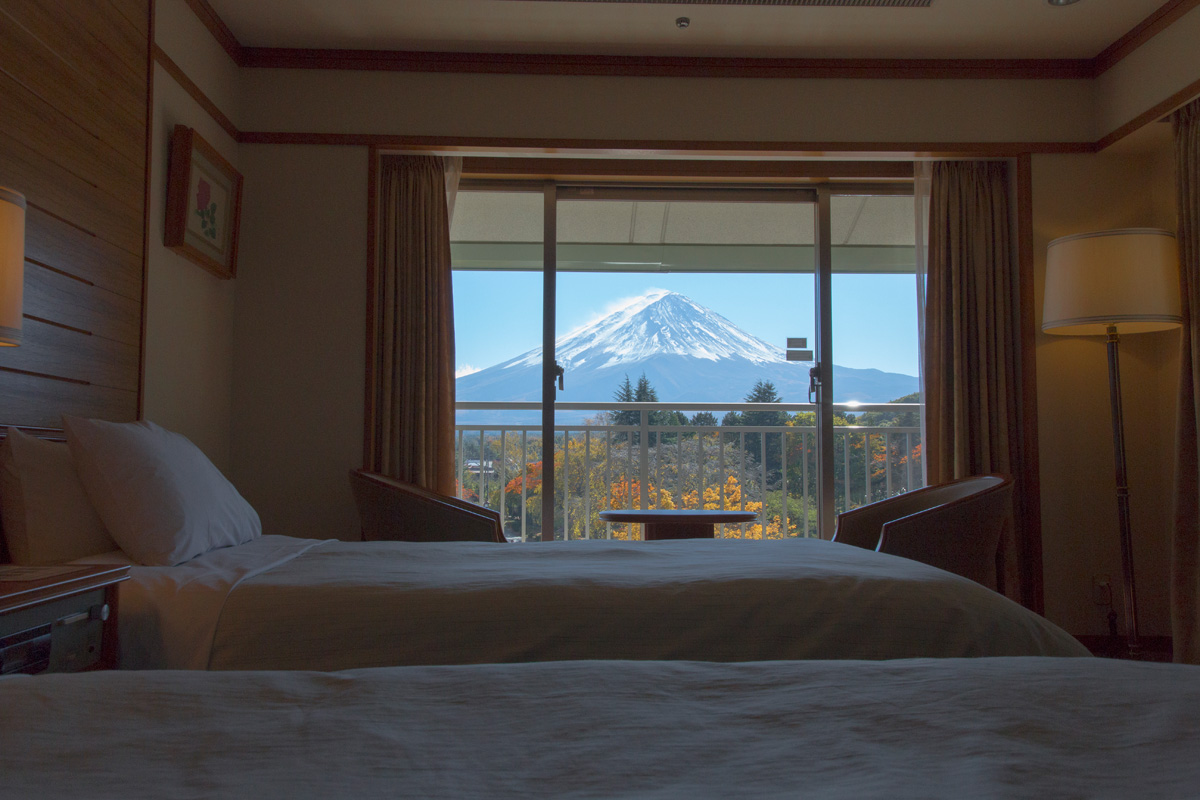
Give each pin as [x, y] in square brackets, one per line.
[1118, 422]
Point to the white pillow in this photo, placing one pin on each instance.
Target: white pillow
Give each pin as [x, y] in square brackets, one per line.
[47, 516]
[161, 498]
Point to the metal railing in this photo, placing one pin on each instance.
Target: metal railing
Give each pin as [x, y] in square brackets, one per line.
[600, 464]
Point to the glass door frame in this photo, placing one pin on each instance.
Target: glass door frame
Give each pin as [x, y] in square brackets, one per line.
[819, 194]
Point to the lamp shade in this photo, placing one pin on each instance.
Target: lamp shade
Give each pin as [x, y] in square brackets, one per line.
[1127, 277]
[12, 264]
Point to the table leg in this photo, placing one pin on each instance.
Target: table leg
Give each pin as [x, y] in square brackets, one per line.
[678, 530]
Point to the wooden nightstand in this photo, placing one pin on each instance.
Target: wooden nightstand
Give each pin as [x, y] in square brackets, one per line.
[64, 620]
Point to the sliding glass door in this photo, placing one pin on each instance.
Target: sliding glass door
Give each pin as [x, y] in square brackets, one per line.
[674, 308]
[686, 356]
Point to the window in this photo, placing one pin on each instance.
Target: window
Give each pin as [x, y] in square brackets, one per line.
[669, 313]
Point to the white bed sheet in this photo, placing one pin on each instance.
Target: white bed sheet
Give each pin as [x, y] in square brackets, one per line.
[168, 615]
[342, 605]
[953, 728]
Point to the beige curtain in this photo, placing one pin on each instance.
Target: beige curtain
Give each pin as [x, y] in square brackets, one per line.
[1185, 556]
[972, 345]
[411, 418]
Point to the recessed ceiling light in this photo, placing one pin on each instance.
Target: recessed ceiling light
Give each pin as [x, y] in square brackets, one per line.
[682, 22]
[1062, 2]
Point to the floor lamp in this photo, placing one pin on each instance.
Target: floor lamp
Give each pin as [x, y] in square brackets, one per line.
[1107, 284]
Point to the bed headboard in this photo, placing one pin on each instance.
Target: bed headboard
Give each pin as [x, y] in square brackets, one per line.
[75, 99]
[74, 140]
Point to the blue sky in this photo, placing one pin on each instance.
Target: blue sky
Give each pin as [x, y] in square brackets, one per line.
[498, 314]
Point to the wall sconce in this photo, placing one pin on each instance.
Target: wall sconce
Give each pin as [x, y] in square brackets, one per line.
[12, 265]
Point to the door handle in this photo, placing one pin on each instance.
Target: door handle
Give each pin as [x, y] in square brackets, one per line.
[814, 381]
[559, 372]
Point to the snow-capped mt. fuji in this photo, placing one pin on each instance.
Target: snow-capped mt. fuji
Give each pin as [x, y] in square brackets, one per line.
[687, 351]
[656, 324]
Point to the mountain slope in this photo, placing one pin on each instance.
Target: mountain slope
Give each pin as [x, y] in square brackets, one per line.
[688, 352]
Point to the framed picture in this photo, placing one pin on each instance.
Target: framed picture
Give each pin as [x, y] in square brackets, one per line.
[204, 204]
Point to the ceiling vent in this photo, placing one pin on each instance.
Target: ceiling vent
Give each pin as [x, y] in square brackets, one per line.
[828, 3]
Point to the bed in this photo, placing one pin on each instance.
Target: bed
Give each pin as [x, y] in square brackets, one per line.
[990, 727]
[283, 603]
[208, 591]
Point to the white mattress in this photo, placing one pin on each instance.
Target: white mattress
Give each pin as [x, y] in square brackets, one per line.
[340, 605]
[953, 728]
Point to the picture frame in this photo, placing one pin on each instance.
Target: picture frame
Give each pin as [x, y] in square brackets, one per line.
[204, 204]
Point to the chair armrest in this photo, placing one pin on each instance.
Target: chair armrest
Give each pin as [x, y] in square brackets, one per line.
[392, 510]
[962, 536]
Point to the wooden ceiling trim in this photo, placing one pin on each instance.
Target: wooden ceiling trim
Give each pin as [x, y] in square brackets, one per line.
[219, 30]
[810, 150]
[685, 169]
[664, 66]
[1153, 114]
[1147, 29]
[196, 93]
[652, 148]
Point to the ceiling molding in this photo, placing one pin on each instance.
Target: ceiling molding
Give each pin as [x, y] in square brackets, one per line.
[217, 27]
[655, 148]
[664, 66]
[1152, 114]
[700, 67]
[196, 93]
[1146, 30]
[537, 169]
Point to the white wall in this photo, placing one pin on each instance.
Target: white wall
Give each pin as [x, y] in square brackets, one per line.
[1074, 194]
[1168, 63]
[704, 109]
[300, 331]
[189, 311]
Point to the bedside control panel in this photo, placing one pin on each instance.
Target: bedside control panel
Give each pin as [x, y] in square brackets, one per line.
[63, 635]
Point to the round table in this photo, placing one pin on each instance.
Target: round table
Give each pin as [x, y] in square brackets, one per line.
[682, 524]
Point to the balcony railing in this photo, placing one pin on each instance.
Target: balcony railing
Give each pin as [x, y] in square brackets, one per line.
[601, 464]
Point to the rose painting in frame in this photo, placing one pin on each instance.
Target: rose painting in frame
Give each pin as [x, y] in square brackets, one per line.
[204, 204]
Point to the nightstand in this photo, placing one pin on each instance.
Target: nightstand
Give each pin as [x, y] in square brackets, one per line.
[58, 619]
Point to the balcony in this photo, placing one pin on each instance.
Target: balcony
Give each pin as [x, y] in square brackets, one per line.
[599, 464]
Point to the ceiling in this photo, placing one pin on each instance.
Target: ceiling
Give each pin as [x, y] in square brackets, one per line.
[947, 29]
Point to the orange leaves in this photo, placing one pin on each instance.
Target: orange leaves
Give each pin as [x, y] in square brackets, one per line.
[532, 479]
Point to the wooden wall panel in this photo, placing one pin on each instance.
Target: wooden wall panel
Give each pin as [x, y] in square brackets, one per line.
[134, 12]
[30, 400]
[74, 303]
[53, 187]
[57, 244]
[55, 137]
[91, 41]
[30, 62]
[58, 46]
[74, 85]
[61, 352]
